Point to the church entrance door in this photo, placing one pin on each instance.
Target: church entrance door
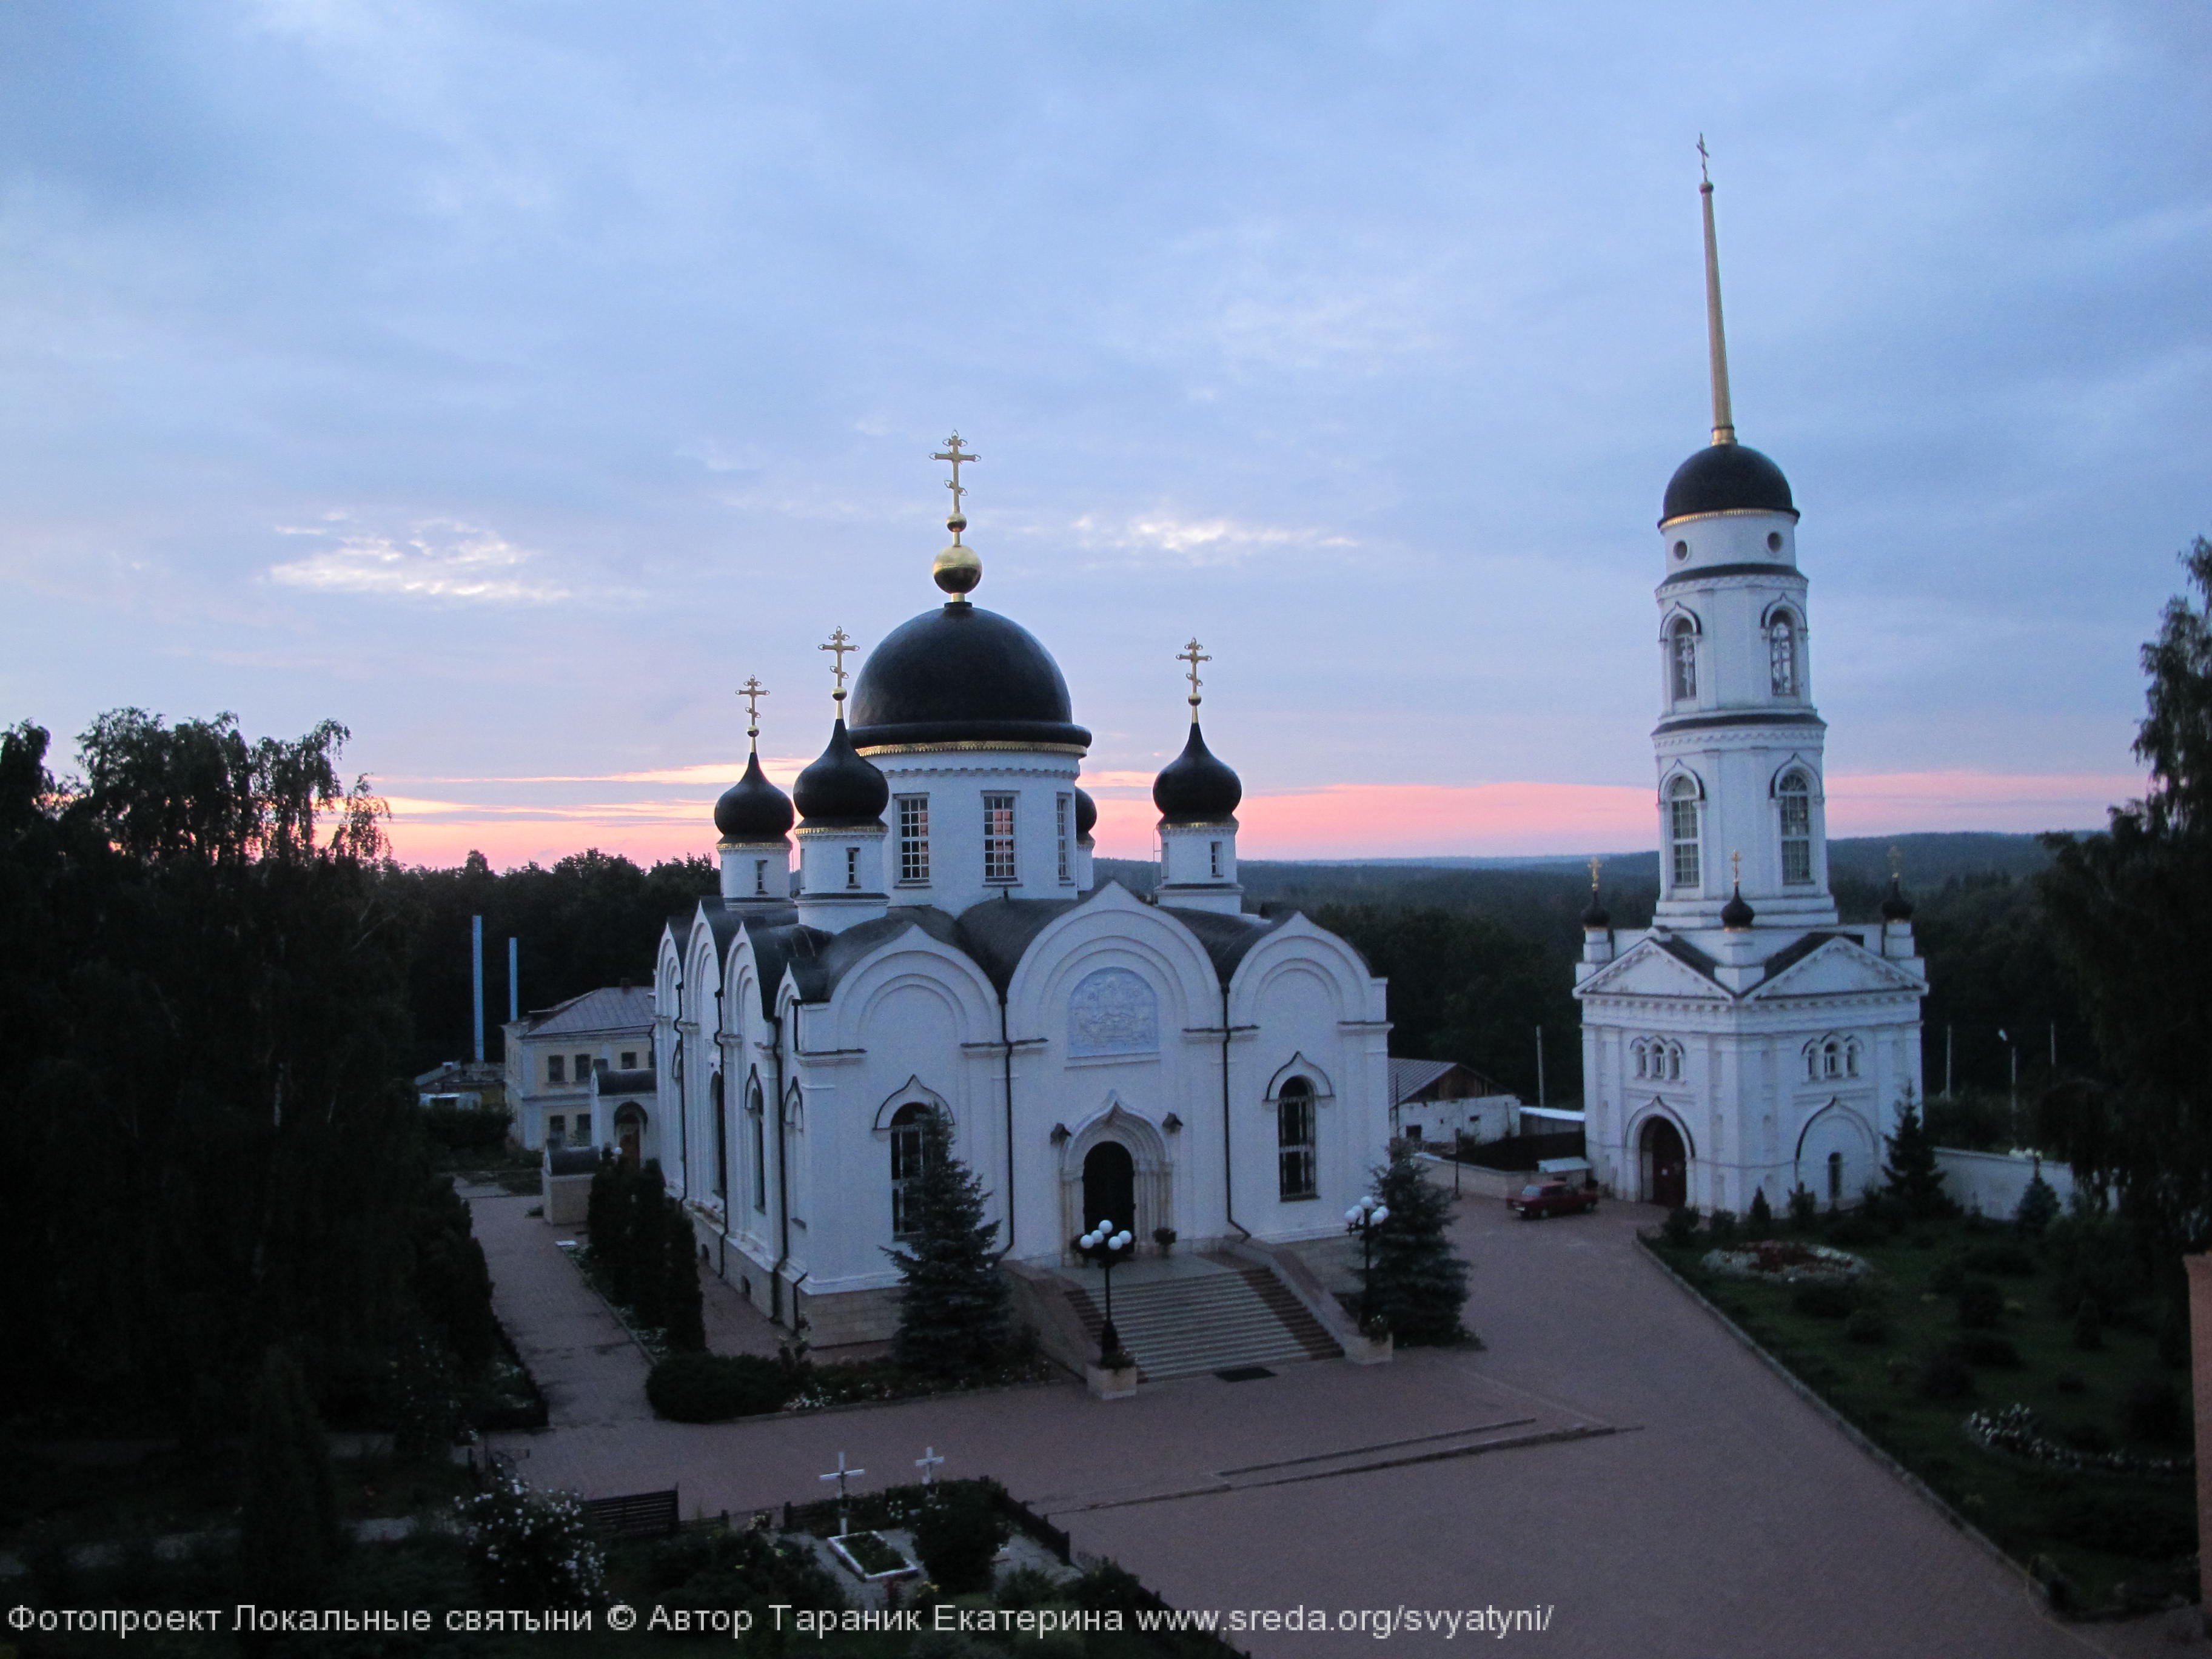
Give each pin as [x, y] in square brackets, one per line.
[1666, 1165]
[629, 1134]
[1109, 1186]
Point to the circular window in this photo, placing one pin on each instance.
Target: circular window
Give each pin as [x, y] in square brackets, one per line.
[1774, 541]
[1681, 549]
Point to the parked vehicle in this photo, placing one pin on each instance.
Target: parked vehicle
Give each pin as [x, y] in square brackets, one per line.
[1534, 1203]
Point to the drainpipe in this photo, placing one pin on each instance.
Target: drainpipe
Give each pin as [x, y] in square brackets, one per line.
[1006, 1054]
[1228, 1143]
[783, 1176]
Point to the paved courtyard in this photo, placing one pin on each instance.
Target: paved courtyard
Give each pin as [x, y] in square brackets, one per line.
[1612, 1456]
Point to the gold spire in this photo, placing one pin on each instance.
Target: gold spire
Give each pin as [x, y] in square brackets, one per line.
[840, 645]
[1191, 655]
[956, 569]
[1715, 338]
[1596, 865]
[753, 691]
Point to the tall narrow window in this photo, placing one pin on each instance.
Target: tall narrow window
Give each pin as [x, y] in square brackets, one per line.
[1061, 834]
[1796, 794]
[1831, 1058]
[583, 1068]
[1213, 858]
[908, 1145]
[913, 837]
[1782, 654]
[1294, 1140]
[755, 1111]
[1685, 867]
[1682, 659]
[852, 866]
[760, 877]
[721, 1142]
[1643, 1058]
[556, 1131]
[1835, 1181]
[998, 837]
[556, 1066]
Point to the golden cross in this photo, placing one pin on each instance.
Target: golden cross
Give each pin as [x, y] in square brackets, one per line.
[839, 644]
[753, 691]
[1705, 160]
[1735, 868]
[1191, 655]
[1896, 864]
[1595, 866]
[952, 453]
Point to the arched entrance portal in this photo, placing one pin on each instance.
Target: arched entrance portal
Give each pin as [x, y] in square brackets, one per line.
[1666, 1165]
[1109, 1186]
[629, 1134]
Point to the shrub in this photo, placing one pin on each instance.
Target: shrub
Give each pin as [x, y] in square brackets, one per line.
[1823, 1298]
[1915, 1183]
[2070, 1383]
[289, 1535]
[1853, 1232]
[2088, 1326]
[958, 1534]
[2039, 1206]
[1758, 1220]
[528, 1549]
[1949, 1276]
[727, 1569]
[712, 1388]
[1804, 1210]
[1419, 1279]
[684, 1311]
[1988, 1348]
[2091, 1438]
[2006, 1259]
[467, 1128]
[1867, 1327]
[1681, 1227]
[1981, 1305]
[1720, 1227]
[1943, 1376]
[2151, 1411]
[2174, 1345]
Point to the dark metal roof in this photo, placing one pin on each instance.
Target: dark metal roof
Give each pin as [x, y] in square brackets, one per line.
[841, 790]
[752, 808]
[1194, 788]
[572, 1160]
[1086, 814]
[961, 674]
[1726, 478]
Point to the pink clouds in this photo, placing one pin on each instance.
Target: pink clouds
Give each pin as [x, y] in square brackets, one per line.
[1342, 822]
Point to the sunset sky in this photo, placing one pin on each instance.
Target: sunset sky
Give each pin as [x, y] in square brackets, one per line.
[510, 382]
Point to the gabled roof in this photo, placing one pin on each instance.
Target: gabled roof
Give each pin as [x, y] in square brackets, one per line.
[1409, 1077]
[610, 1008]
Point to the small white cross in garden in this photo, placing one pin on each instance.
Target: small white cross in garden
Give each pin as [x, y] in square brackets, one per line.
[839, 1474]
[927, 1464]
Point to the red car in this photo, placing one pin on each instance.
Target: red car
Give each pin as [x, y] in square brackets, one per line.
[1552, 1198]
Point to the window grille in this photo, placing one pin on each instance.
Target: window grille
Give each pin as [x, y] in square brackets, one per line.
[1061, 834]
[1294, 1140]
[1782, 656]
[1685, 868]
[1796, 798]
[909, 1147]
[998, 838]
[913, 837]
[1684, 658]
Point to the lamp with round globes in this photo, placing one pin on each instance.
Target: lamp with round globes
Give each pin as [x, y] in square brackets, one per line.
[1361, 1220]
[1105, 1246]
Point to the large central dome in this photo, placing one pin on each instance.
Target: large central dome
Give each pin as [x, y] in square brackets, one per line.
[963, 675]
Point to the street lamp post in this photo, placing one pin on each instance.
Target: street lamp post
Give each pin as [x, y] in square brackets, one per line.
[1361, 1220]
[1106, 1247]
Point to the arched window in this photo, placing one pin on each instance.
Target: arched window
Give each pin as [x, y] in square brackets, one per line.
[1835, 1181]
[722, 1143]
[1812, 1062]
[756, 1112]
[1782, 654]
[1673, 1062]
[909, 1148]
[1831, 1058]
[1682, 659]
[1643, 1058]
[1685, 867]
[1796, 794]
[1294, 1139]
[1850, 1059]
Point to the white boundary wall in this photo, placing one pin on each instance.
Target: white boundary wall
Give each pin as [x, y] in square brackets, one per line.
[1992, 1183]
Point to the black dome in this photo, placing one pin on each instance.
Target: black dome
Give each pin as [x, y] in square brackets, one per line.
[1194, 788]
[1895, 907]
[961, 674]
[1736, 914]
[752, 808]
[1726, 478]
[841, 790]
[1596, 916]
[1086, 814]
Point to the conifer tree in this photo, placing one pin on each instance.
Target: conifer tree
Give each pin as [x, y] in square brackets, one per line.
[1418, 1282]
[288, 1533]
[1913, 1178]
[683, 1321]
[953, 1305]
[645, 1247]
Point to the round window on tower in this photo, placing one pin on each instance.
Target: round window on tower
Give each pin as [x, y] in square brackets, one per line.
[1681, 549]
[1774, 541]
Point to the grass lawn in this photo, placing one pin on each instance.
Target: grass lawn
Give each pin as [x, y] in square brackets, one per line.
[1892, 1356]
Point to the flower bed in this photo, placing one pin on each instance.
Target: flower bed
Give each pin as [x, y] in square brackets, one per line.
[1785, 1261]
[2017, 1431]
[870, 1555]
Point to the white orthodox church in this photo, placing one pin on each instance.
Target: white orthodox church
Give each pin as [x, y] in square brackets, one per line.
[1746, 1040]
[1173, 1063]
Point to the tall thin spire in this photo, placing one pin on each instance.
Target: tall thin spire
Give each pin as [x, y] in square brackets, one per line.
[753, 691]
[1716, 337]
[958, 569]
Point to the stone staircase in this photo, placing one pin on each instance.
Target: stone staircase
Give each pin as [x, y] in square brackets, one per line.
[1240, 1314]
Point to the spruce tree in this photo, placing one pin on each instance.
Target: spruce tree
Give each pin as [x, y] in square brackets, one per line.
[953, 1306]
[684, 1327]
[1913, 1178]
[645, 1247]
[288, 1532]
[1416, 1283]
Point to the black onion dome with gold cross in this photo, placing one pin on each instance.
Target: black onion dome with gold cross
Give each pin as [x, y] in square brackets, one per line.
[752, 809]
[840, 790]
[1196, 787]
[960, 676]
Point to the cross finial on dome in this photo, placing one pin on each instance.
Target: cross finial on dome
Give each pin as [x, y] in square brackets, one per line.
[1735, 868]
[1716, 337]
[952, 453]
[956, 569]
[753, 691]
[1191, 655]
[1596, 864]
[840, 644]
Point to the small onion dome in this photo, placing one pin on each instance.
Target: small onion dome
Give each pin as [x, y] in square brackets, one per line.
[841, 790]
[1194, 788]
[1086, 814]
[1736, 914]
[1597, 918]
[752, 808]
[1726, 478]
[1896, 907]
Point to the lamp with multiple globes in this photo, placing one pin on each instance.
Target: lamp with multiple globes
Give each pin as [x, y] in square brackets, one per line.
[1361, 1220]
[1105, 1246]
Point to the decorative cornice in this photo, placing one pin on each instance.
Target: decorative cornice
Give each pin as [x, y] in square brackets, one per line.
[975, 746]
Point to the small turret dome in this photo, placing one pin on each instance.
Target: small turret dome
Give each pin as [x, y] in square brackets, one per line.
[1895, 907]
[1736, 914]
[1595, 917]
[1086, 814]
[752, 808]
[841, 790]
[1194, 788]
[1726, 478]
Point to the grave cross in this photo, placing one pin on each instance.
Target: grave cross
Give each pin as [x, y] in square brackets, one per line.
[839, 1474]
[927, 1464]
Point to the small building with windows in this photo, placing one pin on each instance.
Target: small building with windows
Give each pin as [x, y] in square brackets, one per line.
[1440, 1100]
[555, 1056]
[1746, 1041]
[1171, 1062]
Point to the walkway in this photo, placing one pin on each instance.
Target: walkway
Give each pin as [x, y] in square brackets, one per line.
[1647, 1479]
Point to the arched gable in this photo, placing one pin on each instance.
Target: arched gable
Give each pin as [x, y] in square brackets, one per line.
[1112, 931]
[1679, 770]
[913, 1091]
[1796, 763]
[1677, 616]
[1299, 945]
[912, 962]
[1299, 1066]
[1632, 1128]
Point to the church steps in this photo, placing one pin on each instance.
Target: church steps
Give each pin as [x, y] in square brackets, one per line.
[1183, 1326]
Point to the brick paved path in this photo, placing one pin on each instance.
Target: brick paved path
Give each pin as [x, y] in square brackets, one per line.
[1712, 1513]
